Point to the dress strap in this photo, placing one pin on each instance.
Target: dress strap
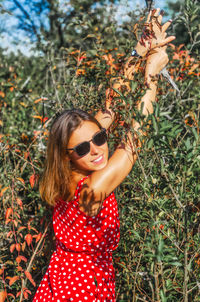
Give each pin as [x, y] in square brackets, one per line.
[79, 187]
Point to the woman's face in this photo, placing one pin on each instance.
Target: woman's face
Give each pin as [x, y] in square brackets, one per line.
[96, 158]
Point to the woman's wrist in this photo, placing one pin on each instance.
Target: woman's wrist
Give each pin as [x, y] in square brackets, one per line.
[141, 50]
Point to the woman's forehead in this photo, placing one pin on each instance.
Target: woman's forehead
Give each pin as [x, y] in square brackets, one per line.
[84, 132]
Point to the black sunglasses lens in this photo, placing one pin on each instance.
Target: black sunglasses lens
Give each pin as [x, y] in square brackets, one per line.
[100, 138]
[83, 148]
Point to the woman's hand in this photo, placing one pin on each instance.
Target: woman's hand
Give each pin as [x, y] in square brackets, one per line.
[155, 63]
[154, 34]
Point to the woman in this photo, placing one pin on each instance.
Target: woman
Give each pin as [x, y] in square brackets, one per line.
[79, 180]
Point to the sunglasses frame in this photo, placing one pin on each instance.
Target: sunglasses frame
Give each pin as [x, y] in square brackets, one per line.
[74, 149]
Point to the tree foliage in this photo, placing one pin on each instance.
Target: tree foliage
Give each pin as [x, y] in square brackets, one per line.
[159, 257]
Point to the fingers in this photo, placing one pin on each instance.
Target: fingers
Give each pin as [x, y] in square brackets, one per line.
[152, 13]
[155, 12]
[169, 39]
[163, 42]
[166, 25]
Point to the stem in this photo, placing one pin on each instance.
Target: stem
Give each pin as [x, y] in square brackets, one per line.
[185, 287]
[156, 283]
[31, 261]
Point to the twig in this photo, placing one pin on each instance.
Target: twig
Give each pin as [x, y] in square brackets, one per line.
[31, 261]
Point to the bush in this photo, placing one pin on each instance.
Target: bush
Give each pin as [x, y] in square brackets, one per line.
[158, 258]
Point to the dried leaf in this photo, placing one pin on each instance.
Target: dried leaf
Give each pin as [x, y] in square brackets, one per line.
[21, 228]
[9, 234]
[23, 258]
[29, 277]
[3, 295]
[9, 211]
[23, 246]
[7, 221]
[18, 259]
[38, 117]
[21, 179]
[28, 239]
[38, 100]
[13, 280]
[3, 190]
[18, 247]
[19, 268]
[38, 237]
[32, 180]
[11, 295]
[12, 247]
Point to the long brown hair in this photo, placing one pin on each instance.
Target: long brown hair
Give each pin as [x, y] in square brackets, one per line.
[55, 180]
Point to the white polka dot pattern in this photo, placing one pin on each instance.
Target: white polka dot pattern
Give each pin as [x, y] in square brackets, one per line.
[81, 266]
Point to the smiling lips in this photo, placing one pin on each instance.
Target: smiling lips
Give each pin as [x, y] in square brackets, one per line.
[98, 160]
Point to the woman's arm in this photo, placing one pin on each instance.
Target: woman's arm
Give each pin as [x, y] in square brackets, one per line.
[101, 183]
[106, 117]
[154, 36]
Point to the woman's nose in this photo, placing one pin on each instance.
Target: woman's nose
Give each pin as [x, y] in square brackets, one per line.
[93, 148]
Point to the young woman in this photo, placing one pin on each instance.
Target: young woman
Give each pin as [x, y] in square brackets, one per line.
[79, 180]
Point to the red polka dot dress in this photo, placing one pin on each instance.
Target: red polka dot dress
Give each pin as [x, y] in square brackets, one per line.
[81, 267]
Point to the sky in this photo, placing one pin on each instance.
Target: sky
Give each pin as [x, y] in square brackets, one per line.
[9, 21]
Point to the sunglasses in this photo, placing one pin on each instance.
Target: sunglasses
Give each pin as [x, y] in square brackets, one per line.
[84, 148]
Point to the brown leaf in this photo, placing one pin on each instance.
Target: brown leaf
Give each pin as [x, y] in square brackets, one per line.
[32, 180]
[13, 280]
[9, 211]
[38, 237]
[29, 277]
[20, 203]
[3, 295]
[12, 247]
[21, 179]
[28, 239]
[18, 247]
[3, 190]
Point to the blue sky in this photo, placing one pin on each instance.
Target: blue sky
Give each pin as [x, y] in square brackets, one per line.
[10, 22]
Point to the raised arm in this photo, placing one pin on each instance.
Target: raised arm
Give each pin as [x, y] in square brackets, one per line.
[153, 36]
[101, 183]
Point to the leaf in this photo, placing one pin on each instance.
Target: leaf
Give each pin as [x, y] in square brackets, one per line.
[12, 247]
[3, 190]
[23, 246]
[21, 228]
[11, 295]
[37, 117]
[28, 239]
[9, 211]
[3, 295]
[20, 258]
[21, 179]
[29, 277]
[19, 268]
[18, 247]
[23, 258]
[10, 234]
[13, 280]
[32, 180]
[7, 221]
[20, 203]
[38, 237]
[38, 100]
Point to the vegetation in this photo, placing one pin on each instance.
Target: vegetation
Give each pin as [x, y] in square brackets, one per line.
[159, 256]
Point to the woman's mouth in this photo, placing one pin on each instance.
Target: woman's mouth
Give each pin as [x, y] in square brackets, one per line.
[98, 160]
